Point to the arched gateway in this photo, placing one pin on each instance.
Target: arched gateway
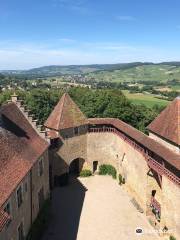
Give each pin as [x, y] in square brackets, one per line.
[76, 166]
[149, 164]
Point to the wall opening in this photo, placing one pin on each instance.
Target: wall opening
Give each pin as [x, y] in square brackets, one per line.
[95, 166]
[153, 193]
[76, 166]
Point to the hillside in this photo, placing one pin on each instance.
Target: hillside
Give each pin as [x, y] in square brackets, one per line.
[150, 72]
[55, 70]
[123, 72]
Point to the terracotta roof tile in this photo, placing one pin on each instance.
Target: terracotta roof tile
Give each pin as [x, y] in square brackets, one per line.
[144, 140]
[167, 123]
[66, 114]
[20, 147]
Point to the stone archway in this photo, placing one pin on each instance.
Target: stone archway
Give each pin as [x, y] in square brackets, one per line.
[76, 166]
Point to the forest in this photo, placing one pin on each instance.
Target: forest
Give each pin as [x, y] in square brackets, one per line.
[93, 103]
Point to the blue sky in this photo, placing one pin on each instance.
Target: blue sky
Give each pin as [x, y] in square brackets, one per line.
[34, 33]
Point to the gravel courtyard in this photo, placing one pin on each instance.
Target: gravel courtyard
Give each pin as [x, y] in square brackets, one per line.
[95, 208]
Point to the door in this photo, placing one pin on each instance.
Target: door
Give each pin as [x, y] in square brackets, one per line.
[95, 166]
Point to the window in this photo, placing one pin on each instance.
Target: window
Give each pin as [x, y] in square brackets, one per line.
[40, 167]
[76, 131]
[19, 196]
[7, 209]
[20, 232]
[25, 187]
[41, 198]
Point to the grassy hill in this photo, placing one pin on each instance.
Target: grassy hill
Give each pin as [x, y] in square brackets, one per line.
[136, 71]
[151, 72]
[139, 72]
[55, 70]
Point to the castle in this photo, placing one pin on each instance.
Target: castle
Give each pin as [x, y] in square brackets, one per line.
[33, 161]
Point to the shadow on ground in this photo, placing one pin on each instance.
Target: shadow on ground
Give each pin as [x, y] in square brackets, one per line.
[67, 203]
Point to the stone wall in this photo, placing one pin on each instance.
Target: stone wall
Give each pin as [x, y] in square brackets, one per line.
[71, 147]
[23, 213]
[108, 148]
[171, 206]
[39, 182]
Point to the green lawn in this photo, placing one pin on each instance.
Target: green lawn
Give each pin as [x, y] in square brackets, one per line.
[148, 100]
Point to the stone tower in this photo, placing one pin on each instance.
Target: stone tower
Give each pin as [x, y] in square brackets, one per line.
[66, 127]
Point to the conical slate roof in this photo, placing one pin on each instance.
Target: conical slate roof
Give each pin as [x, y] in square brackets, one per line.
[66, 114]
[167, 124]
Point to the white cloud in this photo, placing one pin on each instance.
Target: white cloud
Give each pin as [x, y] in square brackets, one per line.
[26, 55]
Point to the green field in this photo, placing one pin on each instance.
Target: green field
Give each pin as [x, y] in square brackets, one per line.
[176, 88]
[148, 100]
[161, 73]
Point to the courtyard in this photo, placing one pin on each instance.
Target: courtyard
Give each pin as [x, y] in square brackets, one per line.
[95, 208]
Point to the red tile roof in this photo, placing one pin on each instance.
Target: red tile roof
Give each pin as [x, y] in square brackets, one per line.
[66, 114]
[167, 123]
[159, 149]
[20, 147]
[4, 218]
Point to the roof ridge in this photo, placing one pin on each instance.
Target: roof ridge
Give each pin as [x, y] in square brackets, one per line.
[63, 101]
[66, 114]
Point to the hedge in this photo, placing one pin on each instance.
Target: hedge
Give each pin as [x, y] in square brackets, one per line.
[85, 173]
[172, 238]
[107, 169]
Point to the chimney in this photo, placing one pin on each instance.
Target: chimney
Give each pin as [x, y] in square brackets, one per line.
[14, 97]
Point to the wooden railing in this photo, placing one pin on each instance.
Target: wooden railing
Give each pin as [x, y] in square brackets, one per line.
[121, 135]
[152, 163]
[156, 204]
